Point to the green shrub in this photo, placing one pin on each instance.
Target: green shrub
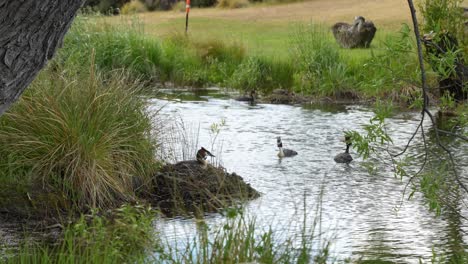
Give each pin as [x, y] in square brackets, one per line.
[232, 4]
[179, 6]
[104, 6]
[152, 5]
[203, 3]
[390, 71]
[84, 137]
[133, 7]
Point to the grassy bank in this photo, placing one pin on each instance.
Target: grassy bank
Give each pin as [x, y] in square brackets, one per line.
[128, 235]
[309, 63]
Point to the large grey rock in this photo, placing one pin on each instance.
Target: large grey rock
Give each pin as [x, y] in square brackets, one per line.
[359, 34]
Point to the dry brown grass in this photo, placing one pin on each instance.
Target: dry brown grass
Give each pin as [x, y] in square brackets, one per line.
[386, 13]
[266, 29]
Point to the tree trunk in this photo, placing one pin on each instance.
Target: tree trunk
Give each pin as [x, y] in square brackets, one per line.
[30, 33]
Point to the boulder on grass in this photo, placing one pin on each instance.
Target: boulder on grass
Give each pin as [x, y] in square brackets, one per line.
[359, 34]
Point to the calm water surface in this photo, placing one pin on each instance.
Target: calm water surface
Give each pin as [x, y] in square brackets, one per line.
[362, 213]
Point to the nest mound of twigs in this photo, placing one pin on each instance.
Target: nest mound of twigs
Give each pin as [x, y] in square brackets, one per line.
[282, 96]
[189, 186]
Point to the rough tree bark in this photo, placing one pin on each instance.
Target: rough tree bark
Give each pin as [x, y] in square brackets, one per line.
[30, 33]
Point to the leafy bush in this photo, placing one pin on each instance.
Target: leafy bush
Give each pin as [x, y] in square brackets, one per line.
[232, 3]
[133, 7]
[152, 5]
[179, 6]
[393, 68]
[104, 6]
[203, 3]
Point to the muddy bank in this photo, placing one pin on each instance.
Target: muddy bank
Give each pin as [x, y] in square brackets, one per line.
[15, 230]
[283, 96]
[188, 186]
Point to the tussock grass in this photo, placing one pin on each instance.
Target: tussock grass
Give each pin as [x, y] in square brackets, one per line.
[84, 137]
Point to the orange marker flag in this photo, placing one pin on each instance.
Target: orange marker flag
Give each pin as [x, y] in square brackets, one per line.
[187, 6]
[187, 10]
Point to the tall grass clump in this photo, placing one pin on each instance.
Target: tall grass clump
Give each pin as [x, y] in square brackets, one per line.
[262, 73]
[321, 68]
[123, 236]
[123, 47]
[177, 59]
[84, 137]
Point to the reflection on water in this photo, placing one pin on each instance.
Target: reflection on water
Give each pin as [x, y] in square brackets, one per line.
[363, 212]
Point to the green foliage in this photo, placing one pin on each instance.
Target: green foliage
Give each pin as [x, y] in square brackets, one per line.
[447, 102]
[444, 25]
[443, 16]
[122, 236]
[240, 240]
[232, 4]
[133, 7]
[321, 69]
[317, 66]
[393, 68]
[374, 133]
[104, 6]
[261, 73]
[203, 3]
[86, 138]
[113, 49]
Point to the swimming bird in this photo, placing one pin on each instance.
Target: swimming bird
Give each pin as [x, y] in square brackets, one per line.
[202, 154]
[345, 157]
[282, 151]
[250, 98]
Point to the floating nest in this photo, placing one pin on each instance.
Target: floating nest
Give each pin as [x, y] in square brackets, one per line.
[188, 186]
[282, 96]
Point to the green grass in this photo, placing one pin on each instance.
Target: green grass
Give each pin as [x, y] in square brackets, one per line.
[123, 236]
[127, 235]
[304, 58]
[78, 140]
[262, 38]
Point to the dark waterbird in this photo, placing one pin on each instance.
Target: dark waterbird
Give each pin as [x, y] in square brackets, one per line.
[344, 157]
[202, 154]
[282, 151]
[251, 98]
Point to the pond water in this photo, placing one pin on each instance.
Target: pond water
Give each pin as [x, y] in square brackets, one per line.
[365, 215]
